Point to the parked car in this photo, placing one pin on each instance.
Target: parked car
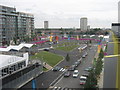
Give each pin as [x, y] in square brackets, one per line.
[76, 63]
[85, 74]
[75, 73]
[46, 49]
[80, 60]
[83, 56]
[72, 68]
[83, 80]
[86, 53]
[50, 43]
[57, 68]
[88, 69]
[67, 74]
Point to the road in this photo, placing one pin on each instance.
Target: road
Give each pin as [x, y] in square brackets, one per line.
[71, 82]
[44, 80]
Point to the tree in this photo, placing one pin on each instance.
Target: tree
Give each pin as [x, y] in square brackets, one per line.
[67, 57]
[90, 41]
[98, 66]
[62, 32]
[91, 81]
[101, 54]
[106, 33]
[15, 40]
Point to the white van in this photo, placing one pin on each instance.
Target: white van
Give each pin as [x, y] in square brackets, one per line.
[83, 80]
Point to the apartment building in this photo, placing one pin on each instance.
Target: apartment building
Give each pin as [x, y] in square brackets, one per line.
[83, 24]
[14, 25]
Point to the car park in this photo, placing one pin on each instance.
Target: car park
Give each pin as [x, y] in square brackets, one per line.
[83, 80]
[75, 73]
[67, 74]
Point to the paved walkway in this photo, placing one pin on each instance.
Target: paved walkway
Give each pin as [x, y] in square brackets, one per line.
[47, 66]
[100, 81]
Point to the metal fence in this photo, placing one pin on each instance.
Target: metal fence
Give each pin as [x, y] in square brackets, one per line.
[23, 79]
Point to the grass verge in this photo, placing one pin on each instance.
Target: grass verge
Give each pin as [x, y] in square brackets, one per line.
[49, 58]
[45, 69]
[67, 48]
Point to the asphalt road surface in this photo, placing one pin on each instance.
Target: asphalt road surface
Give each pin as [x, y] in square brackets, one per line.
[70, 82]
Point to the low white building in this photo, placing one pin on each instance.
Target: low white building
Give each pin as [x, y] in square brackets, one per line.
[9, 63]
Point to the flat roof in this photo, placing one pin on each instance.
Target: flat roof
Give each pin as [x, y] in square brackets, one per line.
[6, 60]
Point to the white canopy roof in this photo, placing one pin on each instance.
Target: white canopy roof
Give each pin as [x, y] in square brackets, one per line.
[20, 46]
[6, 60]
[26, 45]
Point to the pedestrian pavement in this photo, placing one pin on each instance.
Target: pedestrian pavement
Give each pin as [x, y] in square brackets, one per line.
[100, 80]
[47, 66]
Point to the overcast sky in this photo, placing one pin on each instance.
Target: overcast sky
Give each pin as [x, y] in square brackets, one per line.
[67, 13]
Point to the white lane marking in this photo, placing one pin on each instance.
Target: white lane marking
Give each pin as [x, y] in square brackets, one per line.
[58, 81]
[63, 70]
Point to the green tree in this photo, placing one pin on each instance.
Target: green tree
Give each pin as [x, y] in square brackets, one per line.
[90, 41]
[15, 40]
[101, 54]
[91, 81]
[67, 57]
[98, 66]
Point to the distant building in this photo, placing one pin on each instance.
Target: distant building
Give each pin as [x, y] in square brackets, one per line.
[83, 24]
[14, 25]
[45, 24]
[88, 27]
[116, 28]
[119, 12]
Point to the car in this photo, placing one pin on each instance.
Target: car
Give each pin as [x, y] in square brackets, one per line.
[90, 48]
[76, 63]
[83, 80]
[88, 69]
[79, 60]
[75, 73]
[72, 68]
[46, 49]
[67, 74]
[83, 56]
[85, 74]
[50, 43]
[86, 53]
[57, 68]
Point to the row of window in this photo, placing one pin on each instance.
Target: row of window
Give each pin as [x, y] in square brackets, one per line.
[13, 68]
